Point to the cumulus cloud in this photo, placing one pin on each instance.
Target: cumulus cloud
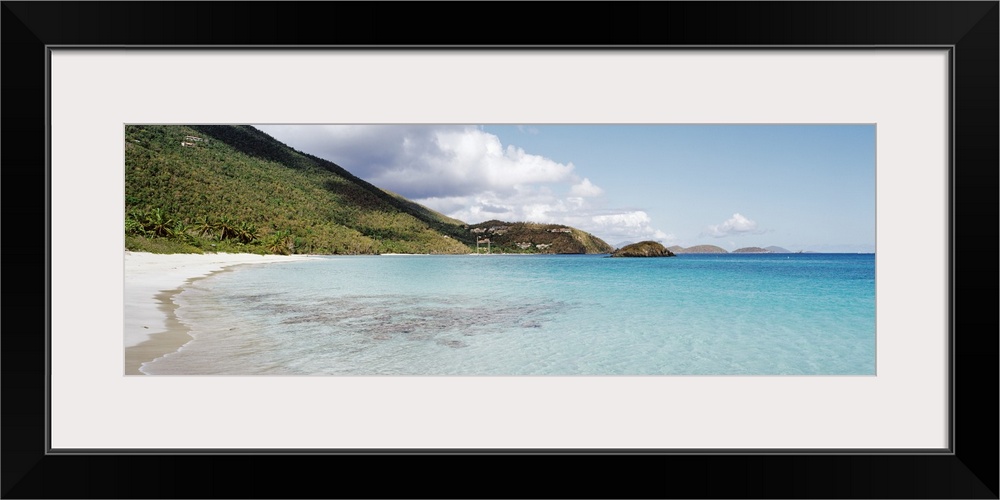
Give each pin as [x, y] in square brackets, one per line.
[630, 225]
[544, 206]
[467, 173]
[735, 225]
[535, 204]
[421, 161]
[585, 188]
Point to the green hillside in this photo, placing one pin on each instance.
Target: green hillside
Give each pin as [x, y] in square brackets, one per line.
[530, 237]
[234, 188]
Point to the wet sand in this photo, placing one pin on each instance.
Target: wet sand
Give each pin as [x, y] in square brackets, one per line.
[161, 343]
[152, 329]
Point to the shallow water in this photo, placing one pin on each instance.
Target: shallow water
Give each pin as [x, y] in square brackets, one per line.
[533, 315]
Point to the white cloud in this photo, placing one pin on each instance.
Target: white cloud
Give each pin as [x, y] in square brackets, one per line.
[421, 161]
[630, 226]
[542, 205]
[585, 188]
[628, 219]
[466, 173]
[735, 225]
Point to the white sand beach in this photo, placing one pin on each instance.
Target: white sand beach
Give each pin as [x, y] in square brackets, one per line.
[151, 329]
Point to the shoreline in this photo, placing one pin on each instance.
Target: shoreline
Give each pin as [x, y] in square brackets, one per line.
[151, 329]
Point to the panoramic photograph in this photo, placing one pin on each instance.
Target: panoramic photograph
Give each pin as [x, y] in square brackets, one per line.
[500, 249]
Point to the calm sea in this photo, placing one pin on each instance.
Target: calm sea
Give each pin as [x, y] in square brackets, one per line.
[506, 315]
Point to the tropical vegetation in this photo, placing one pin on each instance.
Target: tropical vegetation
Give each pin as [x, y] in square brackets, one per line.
[236, 189]
[531, 237]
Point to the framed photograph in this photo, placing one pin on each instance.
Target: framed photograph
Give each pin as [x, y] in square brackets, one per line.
[889, 107]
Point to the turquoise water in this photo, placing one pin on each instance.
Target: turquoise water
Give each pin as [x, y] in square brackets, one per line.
[736, 314]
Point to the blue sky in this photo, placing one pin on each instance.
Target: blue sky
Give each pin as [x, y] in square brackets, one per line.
[802, 187]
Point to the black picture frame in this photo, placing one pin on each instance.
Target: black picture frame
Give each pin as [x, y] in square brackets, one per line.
[968, 470]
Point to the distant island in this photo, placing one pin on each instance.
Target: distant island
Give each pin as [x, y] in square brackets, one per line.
[235, 189]
[698, 249]
[643, 249]
[751, 250]
[714, 249]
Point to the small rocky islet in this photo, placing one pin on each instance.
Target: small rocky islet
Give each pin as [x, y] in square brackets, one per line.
[643, 249]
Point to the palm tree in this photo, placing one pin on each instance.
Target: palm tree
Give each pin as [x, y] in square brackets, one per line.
[180, 231]
[280, 243]
[205, 225]
[246, 231]
[134, 223]
[159, 223]
[226, 227]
